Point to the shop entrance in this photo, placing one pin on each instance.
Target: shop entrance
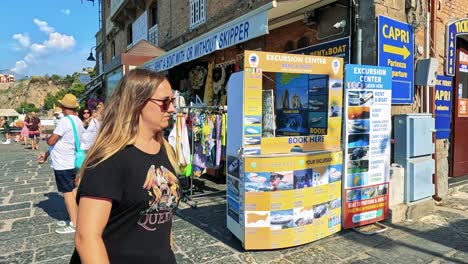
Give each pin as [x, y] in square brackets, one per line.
[459, 166]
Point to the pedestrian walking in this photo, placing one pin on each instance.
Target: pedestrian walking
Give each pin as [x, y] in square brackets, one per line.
[128, 190]
[6, 129]
[25, 130]
[34, 126]
[62, 156]
[91, 126]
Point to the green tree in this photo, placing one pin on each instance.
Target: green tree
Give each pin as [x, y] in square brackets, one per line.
[50, 101]
[77, 89]
[26, 108]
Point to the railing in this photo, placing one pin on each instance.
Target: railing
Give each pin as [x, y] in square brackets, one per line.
[153, 35]
[115, 4]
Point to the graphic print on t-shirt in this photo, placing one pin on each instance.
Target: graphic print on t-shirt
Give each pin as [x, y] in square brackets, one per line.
[163, 191]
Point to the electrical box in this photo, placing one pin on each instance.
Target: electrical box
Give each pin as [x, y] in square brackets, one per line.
[413, 135]
[426, 72]
[413, 149]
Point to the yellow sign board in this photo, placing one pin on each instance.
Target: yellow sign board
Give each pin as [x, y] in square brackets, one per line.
[291, 200]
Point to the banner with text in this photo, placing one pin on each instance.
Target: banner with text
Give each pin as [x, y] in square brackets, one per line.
[443, 106]
[232, 33]
[367, 151]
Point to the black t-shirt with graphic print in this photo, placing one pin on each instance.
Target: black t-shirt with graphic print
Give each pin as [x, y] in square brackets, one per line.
[140, 222]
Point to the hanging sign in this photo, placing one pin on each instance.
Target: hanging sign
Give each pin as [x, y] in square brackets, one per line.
[443, 106]
[367, 152]
[458, 27]
[396, 50]
[334, 48]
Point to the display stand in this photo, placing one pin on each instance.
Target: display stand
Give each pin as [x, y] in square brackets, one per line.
[285, 189]
[188, 195]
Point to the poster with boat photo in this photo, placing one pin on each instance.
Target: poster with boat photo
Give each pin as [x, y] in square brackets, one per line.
[367, 124]
[292, 104]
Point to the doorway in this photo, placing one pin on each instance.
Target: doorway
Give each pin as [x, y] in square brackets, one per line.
[459, 143]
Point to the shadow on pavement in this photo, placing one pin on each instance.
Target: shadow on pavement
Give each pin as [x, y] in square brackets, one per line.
[417, 241]
[54, 206]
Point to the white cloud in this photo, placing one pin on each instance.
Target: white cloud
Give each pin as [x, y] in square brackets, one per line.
[66, 12]
[43, 26]
[20, 66]
[23, 39]
[56, 43]
[60, 41]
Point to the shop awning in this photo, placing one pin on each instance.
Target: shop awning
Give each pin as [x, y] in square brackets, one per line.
[244, 28]
[249, 26]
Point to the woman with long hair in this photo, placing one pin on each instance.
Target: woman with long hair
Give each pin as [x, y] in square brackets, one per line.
[85, 115]
[91, 126]
[128, 190]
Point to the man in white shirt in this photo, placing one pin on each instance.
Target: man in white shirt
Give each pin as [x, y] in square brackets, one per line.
[62, 155]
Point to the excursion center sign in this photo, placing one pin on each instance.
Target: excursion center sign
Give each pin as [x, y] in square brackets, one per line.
[396, 50]
[367, 148]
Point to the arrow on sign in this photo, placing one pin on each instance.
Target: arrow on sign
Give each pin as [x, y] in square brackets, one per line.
[404, 52]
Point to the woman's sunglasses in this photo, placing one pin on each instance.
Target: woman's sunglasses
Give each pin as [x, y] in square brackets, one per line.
[166, 103]
[86, 112]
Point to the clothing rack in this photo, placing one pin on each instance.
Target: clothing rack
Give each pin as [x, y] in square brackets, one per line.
[187, 196]
[226, 63]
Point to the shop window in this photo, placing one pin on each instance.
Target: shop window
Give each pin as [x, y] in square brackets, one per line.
[154, 14]
[197, 13]
[129, 34]
[113, 49]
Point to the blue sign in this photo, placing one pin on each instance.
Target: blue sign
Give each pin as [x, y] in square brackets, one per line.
[396, 50]
[367, 77]
[443, 106]
[334, 48]
[459, 27]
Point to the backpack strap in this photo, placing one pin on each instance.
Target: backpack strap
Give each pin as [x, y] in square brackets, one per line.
[75, 134]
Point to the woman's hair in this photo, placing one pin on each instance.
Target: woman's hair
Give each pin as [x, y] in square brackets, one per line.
[119, 125]
[81, 113]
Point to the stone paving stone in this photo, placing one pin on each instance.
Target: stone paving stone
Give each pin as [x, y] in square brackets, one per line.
[181, 259]
[11, 246]
[41, 189]
[55, 251]
[61, 260]
[48, 240]
[4, 194]
[280, 261]
[193, 239]
[312, 255]
[181, 225]
[25, 186]
[25, 232]
[24, 257]
[22, 191]
[227, 260]
[12, 207]
[27, 197]
[15, 214]
[33, 221]
[259, 256]
[412, 253]
[342, 247]
[205, 254]
[366, 260]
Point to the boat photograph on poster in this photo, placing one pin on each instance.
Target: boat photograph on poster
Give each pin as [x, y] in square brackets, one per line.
[257, 182]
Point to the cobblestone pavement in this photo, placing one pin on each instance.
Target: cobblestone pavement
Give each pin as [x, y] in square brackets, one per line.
[30, 208]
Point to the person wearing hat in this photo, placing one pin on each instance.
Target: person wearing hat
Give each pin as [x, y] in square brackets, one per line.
[62, 156]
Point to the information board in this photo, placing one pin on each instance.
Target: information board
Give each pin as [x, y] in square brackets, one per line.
[443, 106]
[367, 138]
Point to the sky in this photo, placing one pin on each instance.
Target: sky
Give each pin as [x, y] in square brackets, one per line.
[39, 37]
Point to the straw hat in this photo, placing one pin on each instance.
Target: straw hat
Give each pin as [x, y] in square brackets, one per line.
[69, 101]
[57, 110]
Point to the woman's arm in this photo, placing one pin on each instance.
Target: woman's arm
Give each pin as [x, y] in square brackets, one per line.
[93, 214]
